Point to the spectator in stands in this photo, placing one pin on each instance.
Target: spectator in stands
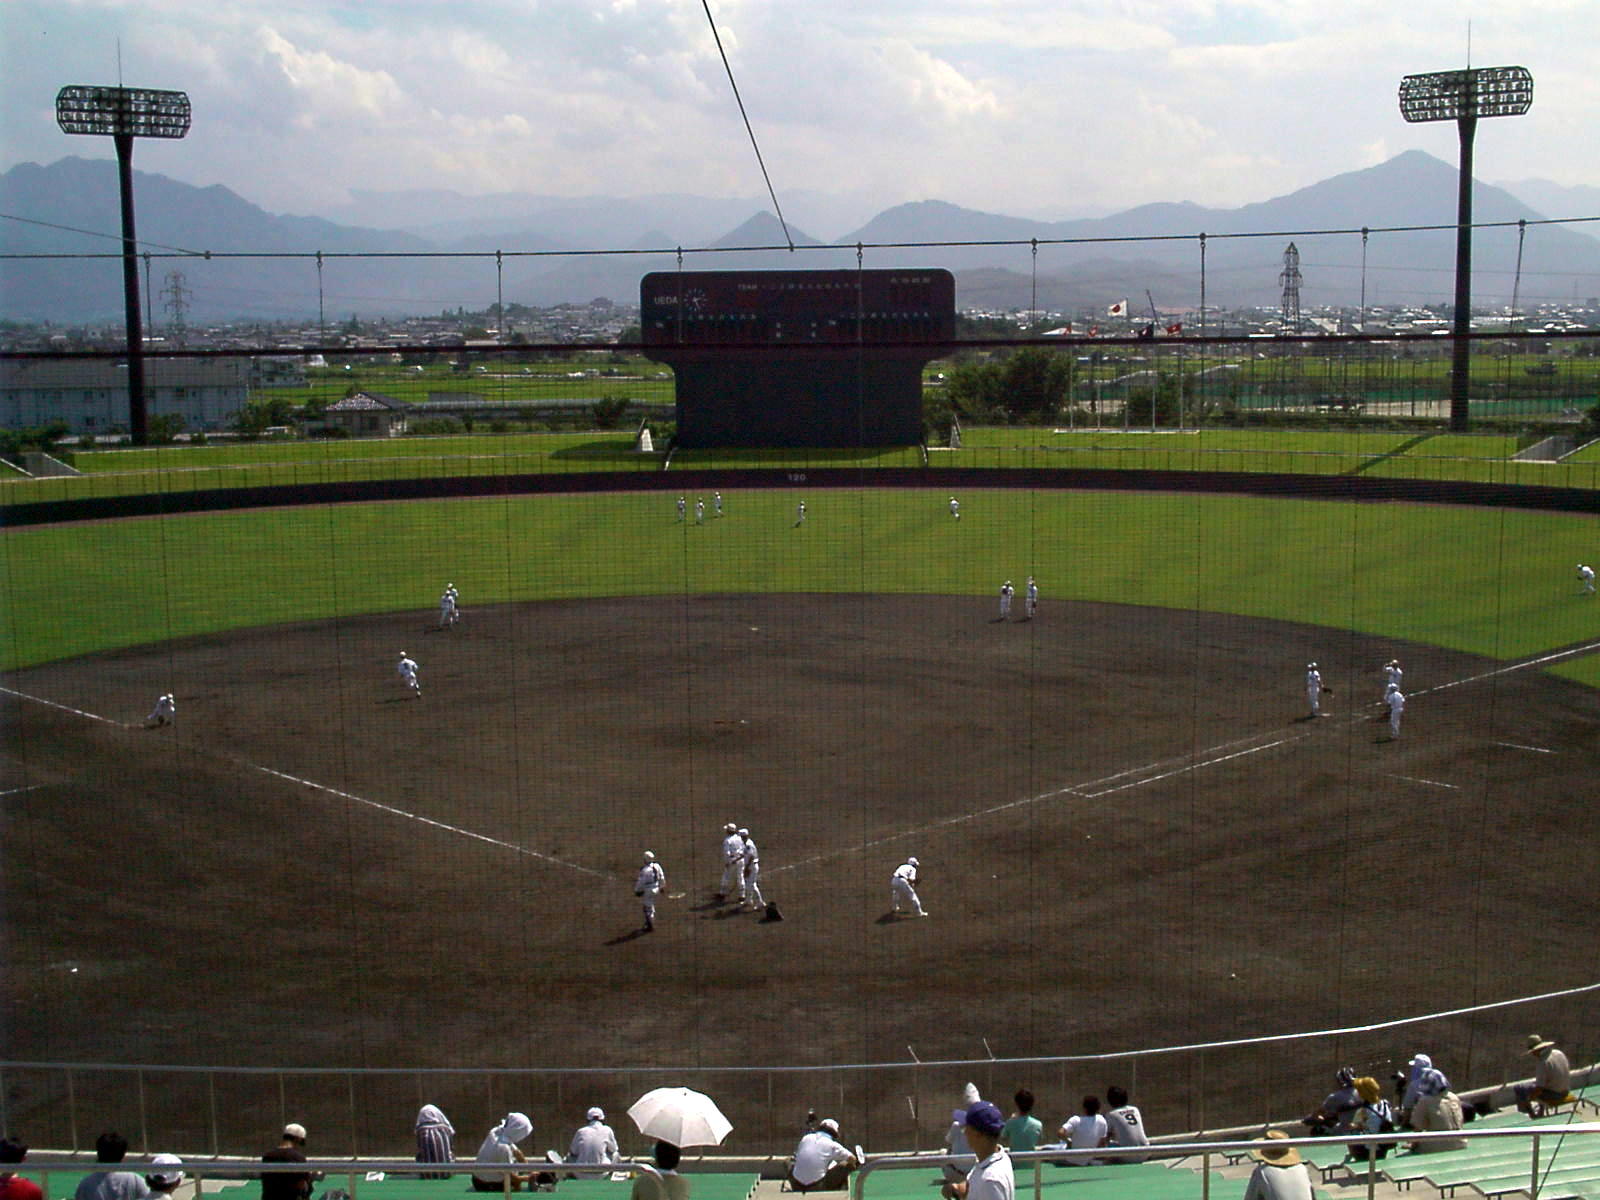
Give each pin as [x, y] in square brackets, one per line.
[1422, 1078]
[165, 1176]
[501, 1146]
[1125, 1125]
[287, 1185]
[1281, 1175]
[1374, 1116]
[672, 1186]
[435, 1140]
[1437, 1109]
[1023, 1131]
[955, 1137]
[1334, 1114]
[1552, 1078]
[991, 1177]
[821, 1163]
[594, 1142]
[12, 1185]
[112, 1147]
[1086, 1130]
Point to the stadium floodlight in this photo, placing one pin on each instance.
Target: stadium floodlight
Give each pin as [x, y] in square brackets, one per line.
[1463, 96]
[123, 114]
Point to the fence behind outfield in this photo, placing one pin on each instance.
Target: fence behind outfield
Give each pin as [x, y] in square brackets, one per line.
[210, 1111]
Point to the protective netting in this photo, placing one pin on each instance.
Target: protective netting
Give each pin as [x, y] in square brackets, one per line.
[1131, 833]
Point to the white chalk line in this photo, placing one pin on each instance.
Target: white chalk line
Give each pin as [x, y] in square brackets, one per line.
[343, 795]
[1079, 790]
[418, 817]
[1083, 791]
[17, 791]
[67, 708]
[1430, 782]
[1520, 746]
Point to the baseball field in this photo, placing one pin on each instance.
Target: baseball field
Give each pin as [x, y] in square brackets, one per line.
[1131, 834]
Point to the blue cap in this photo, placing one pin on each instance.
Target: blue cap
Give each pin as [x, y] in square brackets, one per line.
[985, 1118]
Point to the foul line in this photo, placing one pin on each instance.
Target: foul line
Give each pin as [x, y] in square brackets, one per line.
[377, 804]
[67, 708]
[1429, 782]
[1556, 656]
[1520, 746]
[448, 828]
[32, 787]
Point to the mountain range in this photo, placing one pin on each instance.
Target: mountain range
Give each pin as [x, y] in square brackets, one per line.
[423, 252]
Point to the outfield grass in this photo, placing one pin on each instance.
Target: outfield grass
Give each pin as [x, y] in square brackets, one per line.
[1489, 581]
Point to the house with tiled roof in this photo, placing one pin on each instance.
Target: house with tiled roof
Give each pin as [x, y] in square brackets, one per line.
[368, 414]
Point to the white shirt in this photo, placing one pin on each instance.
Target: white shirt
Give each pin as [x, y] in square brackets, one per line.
[1585, 572]
[407, 667]
[651, 878]
[1314, 680]
[1392, 675]
[751, 857]
[1084, 1132]
[1033, 590]
[594, 1143]
[1279, 1183]
[166, 706]
[816, 1154]
[1006, 590]
[992, 1179]
[1396, 701]
[907, 872]
[732, 848]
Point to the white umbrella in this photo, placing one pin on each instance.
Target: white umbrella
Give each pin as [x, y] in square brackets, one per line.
[681, 1116]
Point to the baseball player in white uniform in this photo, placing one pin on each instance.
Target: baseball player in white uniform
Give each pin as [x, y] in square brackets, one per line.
[1396, 701]
[1314, 689]
[447, 609]
[1006, 592]
[408, 672]
[683, 507]
[700, 510]
[1030, 598]
[752, 871]
[1391, 674]
[955, 508]
[716, 504]
[800, 513]
[903, 888]
[732, 864]
[1585, 579]
[648, 886]
[164, 713]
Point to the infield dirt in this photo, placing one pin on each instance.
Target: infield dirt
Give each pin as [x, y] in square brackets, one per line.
[1130, 836]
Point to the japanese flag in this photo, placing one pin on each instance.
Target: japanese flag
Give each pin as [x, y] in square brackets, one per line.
[1119, 309]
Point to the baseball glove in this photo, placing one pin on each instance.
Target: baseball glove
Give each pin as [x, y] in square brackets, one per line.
[638, 891]
[1327, 691]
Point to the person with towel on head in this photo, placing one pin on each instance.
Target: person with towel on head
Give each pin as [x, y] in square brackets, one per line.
[165, 1174]
[955, 1138]
[501, 1146]
[435, 1142]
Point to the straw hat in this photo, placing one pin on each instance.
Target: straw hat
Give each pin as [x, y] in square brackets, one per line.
[1536, 1044]
[1286, 1156]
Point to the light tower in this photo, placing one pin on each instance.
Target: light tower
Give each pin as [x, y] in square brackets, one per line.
[1464, 96]
[1289, 278]
[124, 114]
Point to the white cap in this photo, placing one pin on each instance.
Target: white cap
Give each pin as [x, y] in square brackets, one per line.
[295, 1130]
[744, 833]
[830, 1125]
[730, 827]
[649, 856]
[166, 1177]
[913, 862]
[595, 1114]
[402, 654]
[1311, 666]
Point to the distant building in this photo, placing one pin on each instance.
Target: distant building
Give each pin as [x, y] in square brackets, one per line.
[91, 396]
[367, 414]
[277, 372]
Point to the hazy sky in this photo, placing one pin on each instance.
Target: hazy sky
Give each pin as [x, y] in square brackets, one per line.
[1062, 108]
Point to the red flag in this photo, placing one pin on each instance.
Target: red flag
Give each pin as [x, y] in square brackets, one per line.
[1175, 328]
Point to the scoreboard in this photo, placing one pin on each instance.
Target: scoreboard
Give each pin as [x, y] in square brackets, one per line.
[798, 358]
[789, 308]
